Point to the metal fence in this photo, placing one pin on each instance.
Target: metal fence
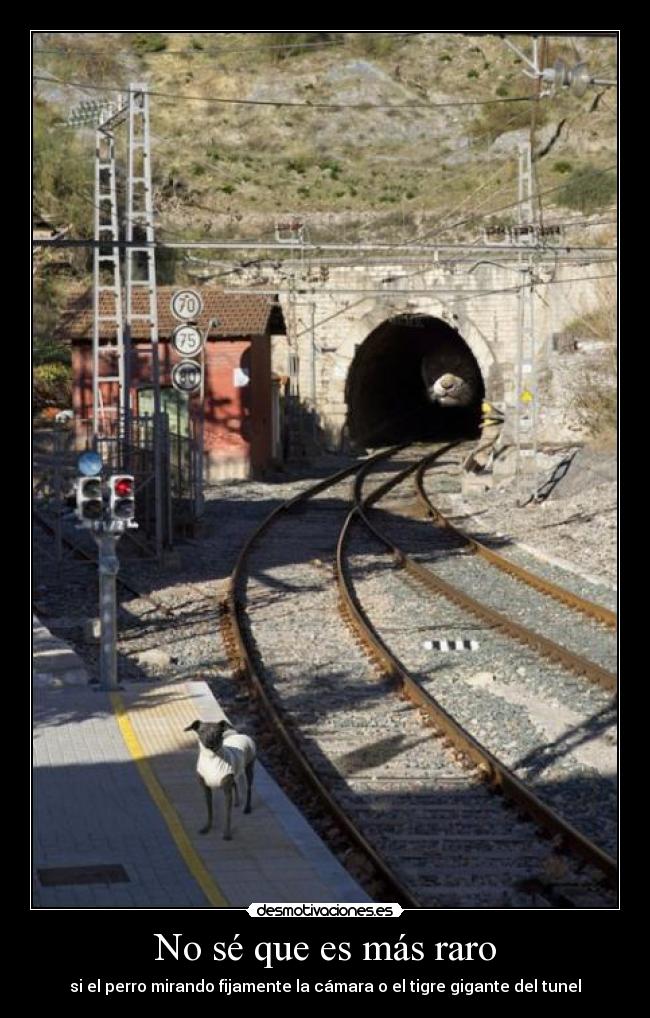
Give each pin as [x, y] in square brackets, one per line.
[177, 502]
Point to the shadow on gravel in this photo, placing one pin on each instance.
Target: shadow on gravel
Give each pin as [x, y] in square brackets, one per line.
[377, 753]
[424, 535]
[536, 762]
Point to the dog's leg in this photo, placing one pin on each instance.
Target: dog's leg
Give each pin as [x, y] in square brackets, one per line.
[208, 801]
[249, 785]
[227, 791]
[235, 785]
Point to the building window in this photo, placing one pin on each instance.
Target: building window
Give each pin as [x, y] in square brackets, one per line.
[175, 404]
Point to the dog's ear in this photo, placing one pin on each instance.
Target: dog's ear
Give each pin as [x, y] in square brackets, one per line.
[193, 727]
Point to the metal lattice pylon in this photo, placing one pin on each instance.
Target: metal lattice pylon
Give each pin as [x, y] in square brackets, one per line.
[108, 342]
[141, 270]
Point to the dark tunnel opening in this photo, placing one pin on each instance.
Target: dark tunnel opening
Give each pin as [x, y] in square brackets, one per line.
[386, 392]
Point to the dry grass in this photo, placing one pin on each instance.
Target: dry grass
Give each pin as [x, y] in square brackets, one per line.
[600, 322]
[594, 402]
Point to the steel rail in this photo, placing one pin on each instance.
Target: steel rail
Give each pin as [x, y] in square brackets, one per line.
[567, 597]
[241, 651]
[541, 644]
[80, 553]
[494, 772]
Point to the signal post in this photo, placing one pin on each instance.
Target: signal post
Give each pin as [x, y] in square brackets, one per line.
[108, 509]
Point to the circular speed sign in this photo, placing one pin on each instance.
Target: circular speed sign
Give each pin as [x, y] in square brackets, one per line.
[187, 340]
[186, 376]
[186, 305]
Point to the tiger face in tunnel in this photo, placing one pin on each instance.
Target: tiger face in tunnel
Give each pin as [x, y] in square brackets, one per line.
[450, 381]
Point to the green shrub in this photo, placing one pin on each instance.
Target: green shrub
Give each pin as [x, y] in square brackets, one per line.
[472, 74]
[333, 167]
[152, 42]
[502, 90]
[445, 58]
[562, 166]
[497, 118]
[299, 164]
[52, 386]
[588, 189]
[377, 45]
[284, 45]
[63, 171]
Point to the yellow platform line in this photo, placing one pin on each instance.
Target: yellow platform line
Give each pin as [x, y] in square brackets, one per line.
[192, 859]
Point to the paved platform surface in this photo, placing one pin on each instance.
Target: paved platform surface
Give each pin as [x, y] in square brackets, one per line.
[55, 663]
[115, 785]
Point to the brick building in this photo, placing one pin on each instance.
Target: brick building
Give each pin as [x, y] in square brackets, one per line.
[241, 399]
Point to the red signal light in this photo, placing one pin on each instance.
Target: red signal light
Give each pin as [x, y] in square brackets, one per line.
[122, 502]
[124, 487]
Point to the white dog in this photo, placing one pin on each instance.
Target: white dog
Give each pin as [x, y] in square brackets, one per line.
[224, 756]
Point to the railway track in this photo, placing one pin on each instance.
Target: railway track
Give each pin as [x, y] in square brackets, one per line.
[414, 798]
[393, 599]
[540, 583]
[81, 553]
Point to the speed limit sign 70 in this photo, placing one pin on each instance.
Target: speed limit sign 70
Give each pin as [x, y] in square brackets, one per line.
[186, 305]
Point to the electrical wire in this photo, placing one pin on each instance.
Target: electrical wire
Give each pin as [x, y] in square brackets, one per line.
[502, 208]
[337, 107]
[222, 51]
[444, 185]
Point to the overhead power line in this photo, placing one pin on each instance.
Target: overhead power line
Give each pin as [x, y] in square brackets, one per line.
[234, 245]
[224, 50]
[503, 208]
[331, 292]
[291, 103]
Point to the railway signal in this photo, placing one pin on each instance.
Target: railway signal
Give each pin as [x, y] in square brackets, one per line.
[90, 505]
[107, 508]
[121, 491]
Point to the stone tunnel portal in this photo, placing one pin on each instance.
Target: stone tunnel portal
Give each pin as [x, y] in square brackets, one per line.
[385, 391]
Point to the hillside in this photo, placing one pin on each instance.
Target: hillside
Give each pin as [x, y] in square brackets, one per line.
[228, 169]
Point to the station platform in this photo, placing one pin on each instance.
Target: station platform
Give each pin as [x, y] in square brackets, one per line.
[117, 806]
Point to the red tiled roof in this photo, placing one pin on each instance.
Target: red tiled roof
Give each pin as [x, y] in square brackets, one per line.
[245, 315]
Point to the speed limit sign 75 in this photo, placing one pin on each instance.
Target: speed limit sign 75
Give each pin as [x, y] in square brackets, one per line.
[187, 340]
[186, 305]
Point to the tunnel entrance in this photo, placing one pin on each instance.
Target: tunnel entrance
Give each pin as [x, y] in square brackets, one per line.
[386, 392]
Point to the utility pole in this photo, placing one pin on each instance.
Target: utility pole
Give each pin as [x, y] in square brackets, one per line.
[578, 79]
[108, 565]
[526, 376]
[294, 418]
[312, 306]
[112, 342]
[141, 273]
[108, 336]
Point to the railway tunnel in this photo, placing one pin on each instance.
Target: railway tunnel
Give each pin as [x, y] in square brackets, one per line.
[386, 395]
